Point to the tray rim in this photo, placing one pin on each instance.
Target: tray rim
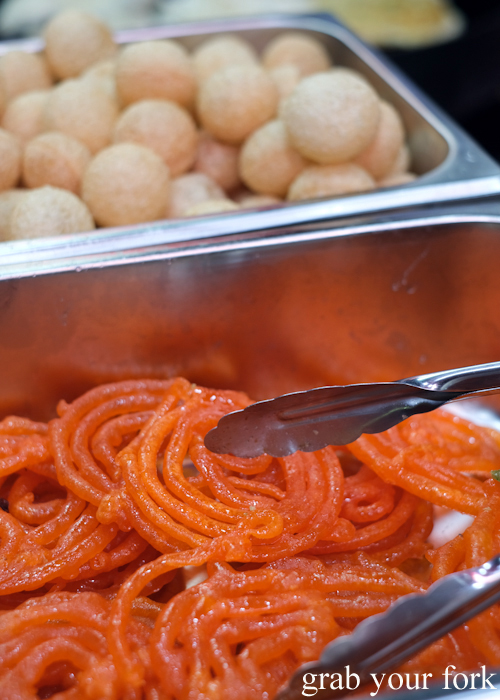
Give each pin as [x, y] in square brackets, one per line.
[486, 213]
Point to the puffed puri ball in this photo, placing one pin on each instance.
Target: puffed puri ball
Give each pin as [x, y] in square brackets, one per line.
[298, 49]
[155, 69]
[330, 181]
[82, 110]
[126, 184]
[235, 101]
[332, 117]
[219, 161]
[3, 97]
[380, 155]
[24, 114]
[8, 201]
[48, 211]
[22, 72]
[222, 51]
[74, 41]
[212, 206]
[268, 162]
[286, 78]
[102, 75]
[191, 189]
[165, 127]
[55, 159]
[10, 160]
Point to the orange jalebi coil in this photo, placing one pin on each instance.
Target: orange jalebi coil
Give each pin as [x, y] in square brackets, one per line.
[107, 511]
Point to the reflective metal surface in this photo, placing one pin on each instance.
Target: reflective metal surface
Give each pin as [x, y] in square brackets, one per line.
[337, 415]
[451, 165]
[371, 301]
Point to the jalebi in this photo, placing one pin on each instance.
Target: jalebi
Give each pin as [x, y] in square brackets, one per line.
[106, 512]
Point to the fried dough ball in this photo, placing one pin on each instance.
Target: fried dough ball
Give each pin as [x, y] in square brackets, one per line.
[332, 117]
[10, 160]
[219, 161]
[329, 181]
[74, 41]
[8, 200]
[397, 179]
[82, 110]
[24, 114]
[155, 70]
[189, 190]
[23, 72]
[235, 101]
[48, 211]
[297, 49]
[286, 78]
[268, 162]
[380, 155]
[401, 162]
[222, 51]
[54, 158]
[3, 97]
[165, 127]
[126, 184]
[212, 206]
[254, 201]
[102, 75]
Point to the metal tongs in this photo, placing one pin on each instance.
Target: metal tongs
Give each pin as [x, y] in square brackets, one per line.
[382, 642]
[338, 415]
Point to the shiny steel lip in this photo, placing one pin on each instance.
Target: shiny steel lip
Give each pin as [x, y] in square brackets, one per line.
[207, 242]
[467, 173]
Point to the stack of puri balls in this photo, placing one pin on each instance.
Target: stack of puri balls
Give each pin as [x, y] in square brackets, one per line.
[93, 134]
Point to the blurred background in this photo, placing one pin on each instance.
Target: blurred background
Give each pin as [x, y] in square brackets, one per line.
[451, 49]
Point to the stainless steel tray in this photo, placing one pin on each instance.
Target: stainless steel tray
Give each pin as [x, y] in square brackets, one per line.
[267, 312]
[451, 166]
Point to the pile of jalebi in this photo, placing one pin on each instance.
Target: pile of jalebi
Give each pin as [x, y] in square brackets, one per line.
[109, 510]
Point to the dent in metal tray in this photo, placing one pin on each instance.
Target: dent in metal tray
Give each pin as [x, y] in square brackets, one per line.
[451, 166]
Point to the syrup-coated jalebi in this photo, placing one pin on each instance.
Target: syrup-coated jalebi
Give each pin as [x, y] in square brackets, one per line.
[107, 513]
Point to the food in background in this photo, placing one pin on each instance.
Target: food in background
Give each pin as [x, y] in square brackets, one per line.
[10, 160]
[249, 201]
[380, 155]
[48, 211]
[399, 23]
[80, 109]
[219, 161]
[330, 181]
[211, 206]
[235, 101]
[221, 52]
[163, 126]
[190, 190]
[155, 69]
[74, 41]
[265, 129]
[8, 200]
[54, 158]
[22, 72]
[397, 179]
[103, 74]
[126, 184]
[268, 162]
[24, 115]
[332, 117]
[303, 52]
